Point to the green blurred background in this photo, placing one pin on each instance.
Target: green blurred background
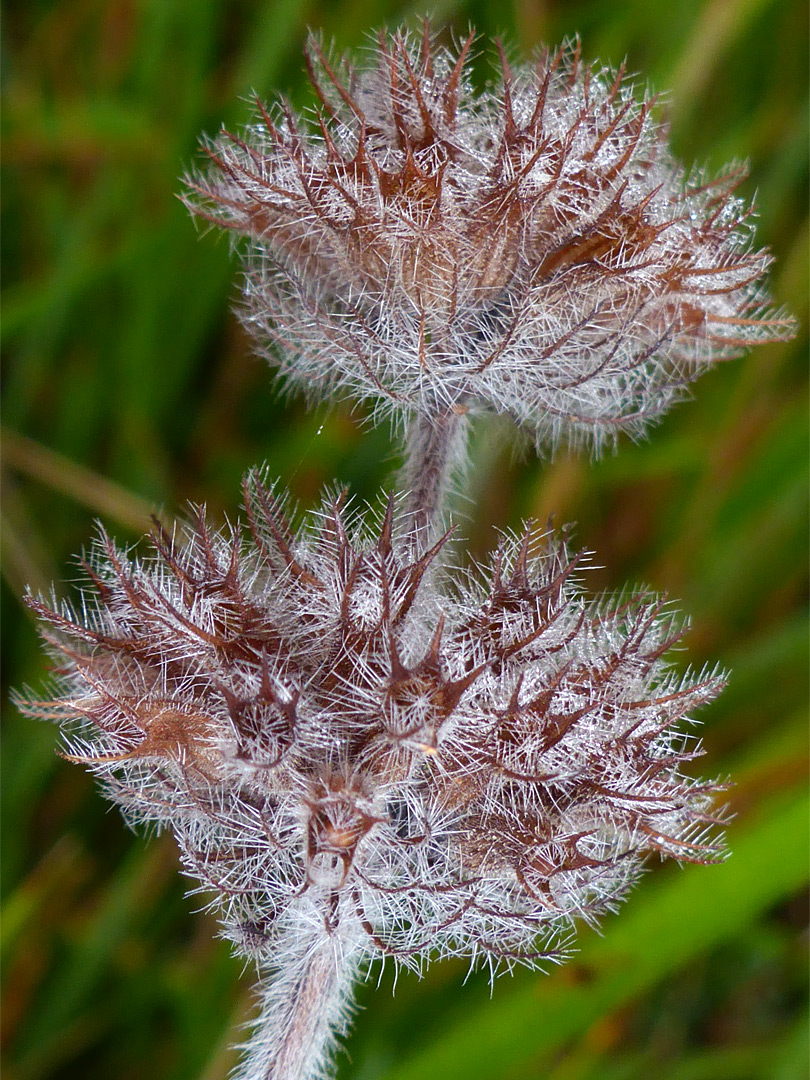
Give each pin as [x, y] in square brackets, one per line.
[129, 385]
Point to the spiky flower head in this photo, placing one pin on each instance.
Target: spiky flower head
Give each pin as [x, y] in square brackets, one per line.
[530, 249]
[344, 748]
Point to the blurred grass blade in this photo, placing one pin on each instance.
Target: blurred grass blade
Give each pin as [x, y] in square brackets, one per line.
[674, 920]
[97, 493]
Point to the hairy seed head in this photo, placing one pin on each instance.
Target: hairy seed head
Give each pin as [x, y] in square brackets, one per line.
[530, 249]
[340, 740]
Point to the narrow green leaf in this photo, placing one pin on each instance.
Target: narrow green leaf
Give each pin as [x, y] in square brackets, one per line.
[671, 922]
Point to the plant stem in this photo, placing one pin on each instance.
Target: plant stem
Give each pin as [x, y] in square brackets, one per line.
[306, 1006]
[434, 450]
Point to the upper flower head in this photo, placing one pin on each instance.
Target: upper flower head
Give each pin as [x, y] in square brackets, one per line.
[532, 248]
[339, 743]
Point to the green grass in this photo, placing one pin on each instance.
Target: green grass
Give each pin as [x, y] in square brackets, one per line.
[128, 385]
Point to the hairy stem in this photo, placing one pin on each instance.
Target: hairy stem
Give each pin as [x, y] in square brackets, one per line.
[434, 450]
[306, 1007]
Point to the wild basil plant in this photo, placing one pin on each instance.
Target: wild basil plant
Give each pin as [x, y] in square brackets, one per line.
[364, 750]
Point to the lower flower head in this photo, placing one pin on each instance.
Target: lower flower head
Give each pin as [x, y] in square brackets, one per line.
[334, 735]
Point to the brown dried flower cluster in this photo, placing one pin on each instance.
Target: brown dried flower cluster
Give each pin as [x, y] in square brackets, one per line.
[532, 249]
[352, 754]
